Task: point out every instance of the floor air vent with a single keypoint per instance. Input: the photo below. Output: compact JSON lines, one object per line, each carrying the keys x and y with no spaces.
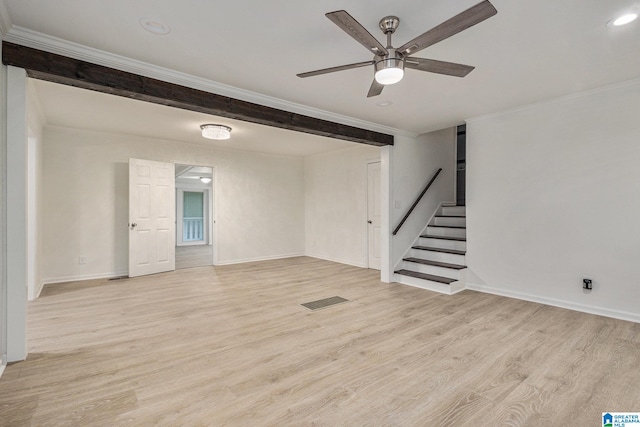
{"x":322,"y":303}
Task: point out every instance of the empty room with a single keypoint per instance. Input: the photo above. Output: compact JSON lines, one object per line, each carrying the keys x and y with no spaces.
{"x":343,"y":213}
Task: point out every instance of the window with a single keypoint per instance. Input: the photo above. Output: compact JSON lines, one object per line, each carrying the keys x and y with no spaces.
{"x":192,"y":217}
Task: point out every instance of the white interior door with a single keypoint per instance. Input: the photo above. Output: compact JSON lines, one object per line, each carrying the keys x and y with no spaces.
{"x":374,"y":214}
{"x":152,"y":234}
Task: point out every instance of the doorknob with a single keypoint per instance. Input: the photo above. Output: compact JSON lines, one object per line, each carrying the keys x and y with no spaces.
{"x":133,"y":225}
{"x":369,"y":221}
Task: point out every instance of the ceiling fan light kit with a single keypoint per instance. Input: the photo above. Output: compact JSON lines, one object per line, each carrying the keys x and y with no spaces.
{"x":389,"y":69}
{"x":389,"y":62}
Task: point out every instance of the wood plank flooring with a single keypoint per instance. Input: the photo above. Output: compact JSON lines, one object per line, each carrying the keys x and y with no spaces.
{"x":193,"y":256}
{"x":232,"y":346}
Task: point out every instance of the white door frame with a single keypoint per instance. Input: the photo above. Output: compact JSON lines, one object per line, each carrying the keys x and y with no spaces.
{"x":386,"y":190}
{"x":374,"y":223}
{"x":213,"y":232}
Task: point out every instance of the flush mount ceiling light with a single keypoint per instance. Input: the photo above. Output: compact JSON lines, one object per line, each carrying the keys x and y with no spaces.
{"x":216,"y":131}
{"x":155,"y":26}
{"x":205,"y":180}
{"x":621,"y":20}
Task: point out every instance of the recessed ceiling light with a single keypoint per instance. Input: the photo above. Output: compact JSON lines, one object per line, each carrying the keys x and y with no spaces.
{"x":384,"y":103}
{"x":623,"y":19}
{"x":155,"y":26}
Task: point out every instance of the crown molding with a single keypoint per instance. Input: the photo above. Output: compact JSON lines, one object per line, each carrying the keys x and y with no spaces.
{"x":36,"y":40}
{"x":57,"y":68}
{"x":631,"y":84}
{"x":6,"y":21}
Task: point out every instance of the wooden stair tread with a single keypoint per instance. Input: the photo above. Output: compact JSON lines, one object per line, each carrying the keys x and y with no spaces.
{"x":435,"y":263}
{"x":446,"y":251}
{"x":433,"y":278}
{"x":447,"y":226}
{"x":458,"y":239}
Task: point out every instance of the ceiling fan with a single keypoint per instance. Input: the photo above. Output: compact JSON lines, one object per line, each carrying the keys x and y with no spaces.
{"x":389,"y":62}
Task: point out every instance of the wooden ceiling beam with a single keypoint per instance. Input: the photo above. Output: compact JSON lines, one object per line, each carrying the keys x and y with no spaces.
{"x":74,"y":72}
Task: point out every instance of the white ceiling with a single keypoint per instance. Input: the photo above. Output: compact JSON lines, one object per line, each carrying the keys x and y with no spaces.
{"x":191,"y":175}
{"x":530,"y":51}
{"x":84,"y":109}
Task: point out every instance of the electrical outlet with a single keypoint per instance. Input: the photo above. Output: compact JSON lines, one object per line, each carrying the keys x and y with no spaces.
{"x":82,"y":260}
{"x":587,"y":284}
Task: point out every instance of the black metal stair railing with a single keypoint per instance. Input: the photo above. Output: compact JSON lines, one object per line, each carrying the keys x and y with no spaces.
{"x":426,"y":188}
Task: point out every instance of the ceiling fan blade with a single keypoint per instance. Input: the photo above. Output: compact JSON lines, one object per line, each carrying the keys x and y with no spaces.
{"x":352,"y":27}
{"x":334,"y":69}
{"x":458,"y":23}
{"x":440,"y":67}
{"x":375,"y":89}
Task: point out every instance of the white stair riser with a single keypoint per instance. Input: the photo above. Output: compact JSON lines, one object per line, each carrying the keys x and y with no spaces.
{"x":429,"y":285}
{"x":450,"y":221}
{"x":447,"y":232}
{"x":437,"y":256}
{"x":454,"y":210}
{"x":441,"y":243}
{"x":432,"y":269}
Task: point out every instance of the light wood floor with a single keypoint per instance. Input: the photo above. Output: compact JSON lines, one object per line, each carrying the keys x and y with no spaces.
{"x":193,"y":256}
{"x":232,"y":346}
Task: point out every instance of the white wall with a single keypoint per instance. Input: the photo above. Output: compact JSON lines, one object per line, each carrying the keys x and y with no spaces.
{"x":552,"y":197}
{"x":414,"y":161}
{"x":35,"y":123}
{"x":259,"y":201}
{"x":336,"y":204}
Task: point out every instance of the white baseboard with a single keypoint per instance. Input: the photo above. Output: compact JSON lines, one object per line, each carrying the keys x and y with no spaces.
{"x":38,"y":290}
{"x":2,"y":369}
{"x":339,"y":261}
{"x":615,"y":314}
{"x":79,"y":277}
{"x":268,"y":258}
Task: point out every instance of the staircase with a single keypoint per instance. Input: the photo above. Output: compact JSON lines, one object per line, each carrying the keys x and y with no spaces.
{"x":437,"y":261}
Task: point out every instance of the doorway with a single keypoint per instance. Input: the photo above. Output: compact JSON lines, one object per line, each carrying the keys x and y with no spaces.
{"x":461,"y":165}
{"x":194,"y":216}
